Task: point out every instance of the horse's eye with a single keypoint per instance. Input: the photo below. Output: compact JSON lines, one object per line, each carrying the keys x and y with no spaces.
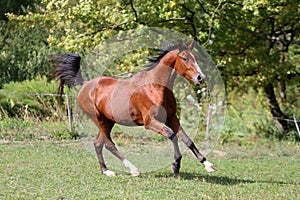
{"x":184,"y":59}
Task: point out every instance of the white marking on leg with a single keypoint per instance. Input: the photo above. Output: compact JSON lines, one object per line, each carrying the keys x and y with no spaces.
{"x":209,"y":166}
{"x":133,"y":170}
{"x":109,"y":173}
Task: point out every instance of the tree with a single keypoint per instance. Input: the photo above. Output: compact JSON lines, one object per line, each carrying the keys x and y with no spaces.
{"x":252,"y":40}
{"x":14,"y":6}
{"x":23,"y":51}
{"x":260,"y":37}
{"x":255,"y":43}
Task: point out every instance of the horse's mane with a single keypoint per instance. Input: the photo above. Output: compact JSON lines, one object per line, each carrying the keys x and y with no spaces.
{"x":167,"y":47}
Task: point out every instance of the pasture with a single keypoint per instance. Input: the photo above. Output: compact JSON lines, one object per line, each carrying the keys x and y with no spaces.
{"x":49,"y":169}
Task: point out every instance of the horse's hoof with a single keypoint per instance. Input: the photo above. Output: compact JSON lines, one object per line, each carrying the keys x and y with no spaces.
{"x":135,"y":173}
{"x":175,"y":168}
{"x":109,"y":173}
{"x":210,"y":168}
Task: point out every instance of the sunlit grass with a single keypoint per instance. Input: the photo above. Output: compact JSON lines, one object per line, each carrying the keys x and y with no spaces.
{"x":66,"y":170}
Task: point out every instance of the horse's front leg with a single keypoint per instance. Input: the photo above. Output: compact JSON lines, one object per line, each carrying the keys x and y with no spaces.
{"x":158,"y":127}
{"x":175,"y":126}
{"x":190,"y":144}
{"x":177,"y":156}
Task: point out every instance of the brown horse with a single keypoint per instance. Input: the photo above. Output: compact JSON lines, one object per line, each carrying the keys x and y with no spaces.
{"x":146,"y":99}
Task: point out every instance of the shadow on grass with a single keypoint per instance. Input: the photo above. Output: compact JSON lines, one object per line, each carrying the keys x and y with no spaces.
{"x":221,"y":180}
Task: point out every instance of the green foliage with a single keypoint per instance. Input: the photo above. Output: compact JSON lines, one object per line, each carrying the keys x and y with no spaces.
{"x":15,"y":6}
{"x":12,"y":129}
{"x":260,"y":36}
{"x":75,"y":25}
{"x":248,"y":117}
{"x":254,"y":43}
{"x":23,"y":100}
{"x":24,"y":53}
{"x":27,"y":111}
{"x":63,"y":134}
{"x":19,"y":129}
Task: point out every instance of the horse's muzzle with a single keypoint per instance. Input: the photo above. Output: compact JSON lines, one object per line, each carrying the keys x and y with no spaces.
{"x":198,"y":79}
{"x":201,"y":79}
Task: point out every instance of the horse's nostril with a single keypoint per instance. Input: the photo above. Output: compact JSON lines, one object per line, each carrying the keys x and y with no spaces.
{"x":200,"y":79}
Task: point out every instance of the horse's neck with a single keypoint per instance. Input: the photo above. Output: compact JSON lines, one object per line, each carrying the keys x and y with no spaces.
{"x":163,"y":75}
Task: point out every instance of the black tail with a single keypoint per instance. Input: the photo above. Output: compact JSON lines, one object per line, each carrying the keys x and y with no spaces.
{"x":67,"y":70}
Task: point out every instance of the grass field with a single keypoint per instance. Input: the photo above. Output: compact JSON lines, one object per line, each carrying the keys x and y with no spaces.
{"x":65,"y":170}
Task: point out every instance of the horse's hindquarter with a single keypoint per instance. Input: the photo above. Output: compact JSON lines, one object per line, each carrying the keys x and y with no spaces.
{"x":86,"y":97}
{"x":104,"y":90}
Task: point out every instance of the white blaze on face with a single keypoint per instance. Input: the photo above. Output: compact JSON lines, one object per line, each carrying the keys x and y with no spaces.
{"x":197,"y":67}
{"x":195,"y":78}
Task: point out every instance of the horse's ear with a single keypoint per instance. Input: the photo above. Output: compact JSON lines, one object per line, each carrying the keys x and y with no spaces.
{"x":181,"y":46}
{"x":191,"y":46}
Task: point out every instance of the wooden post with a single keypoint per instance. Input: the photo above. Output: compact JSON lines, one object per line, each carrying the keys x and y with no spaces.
{"x":208,"y":122}
{"x":296,"y":124}
{"x":69,"y":112}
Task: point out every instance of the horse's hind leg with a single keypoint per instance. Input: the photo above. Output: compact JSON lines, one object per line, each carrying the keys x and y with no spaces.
{"x":98,"y":144}
{"x":113,"y":149}
{"x":104,"y":137}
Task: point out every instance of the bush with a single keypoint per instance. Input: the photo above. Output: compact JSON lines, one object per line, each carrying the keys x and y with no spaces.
{"x":248,"y":116}
{"x":25,"y":114}
{"x":24,"y":99}
{"x":16,"y":129}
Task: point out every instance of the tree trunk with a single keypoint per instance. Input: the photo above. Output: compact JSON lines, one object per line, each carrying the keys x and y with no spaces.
{"x":282,"y":90}
{"x":275,"y":108}
{"x":283,"y":51}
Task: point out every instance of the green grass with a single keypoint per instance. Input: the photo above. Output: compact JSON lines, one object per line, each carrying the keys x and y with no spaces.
{"x":14,"y":129}
{"x":66,"y":170}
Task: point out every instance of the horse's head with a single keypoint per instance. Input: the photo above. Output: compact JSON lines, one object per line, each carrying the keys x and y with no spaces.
{"x":187,"y":66}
